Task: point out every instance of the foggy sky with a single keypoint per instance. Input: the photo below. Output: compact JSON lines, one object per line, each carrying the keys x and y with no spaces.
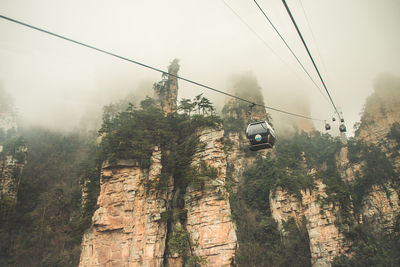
{"x":56,"y":83}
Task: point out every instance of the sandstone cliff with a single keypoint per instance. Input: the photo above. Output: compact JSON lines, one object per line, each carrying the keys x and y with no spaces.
{"x":209,"y":220}
{"x":381,"y":110}
{"x":126,"y":229}
{"x":166,"y":91}
{"x":129,"y":227}
{"x":326,"y":238}
{"x":12,"y":151}
{"x":11,"y":166}
{"x":381,"y":113}
{"x":137,"y":224}
{"x":378,"y":197}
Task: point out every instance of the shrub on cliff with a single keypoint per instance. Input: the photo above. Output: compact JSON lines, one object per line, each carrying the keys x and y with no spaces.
{"x":394,"y":133}
{"x":289,"y":167}
{"x":42,"y":230}
{"x":133,"y":133}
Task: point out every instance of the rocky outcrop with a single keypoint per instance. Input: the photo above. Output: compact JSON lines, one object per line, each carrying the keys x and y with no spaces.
{"x":237,"y":160}
{"x":381,"y":207}
{"x":11,"y":166}
{"x":209,"y":220}
{"x":349,"y":171}
{"x":13,"y":151}
{"x":166,"y":91}
{"x":285,"y":206}
{"x":381,"y":110}
{"x":326,"y":239}
{"x":127,"y":230}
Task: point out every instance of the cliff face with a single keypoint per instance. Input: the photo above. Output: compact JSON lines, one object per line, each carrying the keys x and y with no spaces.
{"x":137,"y":225}
{"x":129,"y":229}
{"x":166,"y":91}
{"x":381,"y":207}
{"x":326,"y":239}
{"x":209,"y":221}
{"x":12,"y":151}
{"x":126,"y":230}
{"x":11,"y":166}
{"x":348,"y":170}
{"x":381,"y":110}
{"x":379,"y":204}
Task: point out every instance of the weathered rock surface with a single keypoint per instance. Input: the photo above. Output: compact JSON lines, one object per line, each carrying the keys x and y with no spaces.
{"x":10,"y":174}
{"x":326,"y":239}
{"x":382,"y":109}
{"x":209,"y":221}
{"x":237,"y":160}
{"x":349,"y":171}
{"x":126,"y":229}
{"x":11,"y":162}
{"x":381,"y":207}
{"x":166,"y":91}
{"x":285,"y":206}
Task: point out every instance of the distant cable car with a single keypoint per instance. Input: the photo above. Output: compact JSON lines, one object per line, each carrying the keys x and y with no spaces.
{"x":327,"y":126}
{"x":342,"y":128}
{"x":333,"y":119}
{"x":341,"y":117}
{"x":260,"y":135}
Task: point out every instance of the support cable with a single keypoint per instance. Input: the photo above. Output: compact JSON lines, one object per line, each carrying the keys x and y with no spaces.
{"x":260,"y":38}
{"x":313,"y":36}
{"x":312,"y":60}
{"x":156,"y":69}
{"x":290,"y":49}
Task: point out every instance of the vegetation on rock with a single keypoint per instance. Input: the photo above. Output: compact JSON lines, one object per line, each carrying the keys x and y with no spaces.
{"x":47,"y":224}
{"x":296,"y":163}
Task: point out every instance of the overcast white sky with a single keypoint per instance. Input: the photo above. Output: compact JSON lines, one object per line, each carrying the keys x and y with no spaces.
{"x":55,"y":82}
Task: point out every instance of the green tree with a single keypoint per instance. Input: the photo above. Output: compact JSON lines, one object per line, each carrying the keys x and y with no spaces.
{"x":196,"y":101}
{"x":205,"y":105}
{"x":187,"y":106}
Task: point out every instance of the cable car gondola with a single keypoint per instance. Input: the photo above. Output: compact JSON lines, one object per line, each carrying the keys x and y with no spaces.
{"x":260,"y":135}
{"x":342,"y":128}
{"x":327,"y":126}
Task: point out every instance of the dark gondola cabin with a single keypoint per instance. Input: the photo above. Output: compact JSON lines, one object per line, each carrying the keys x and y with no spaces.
{"x":327,"y":126}
{"x":260,"y":135}
{"x":342,"y":128}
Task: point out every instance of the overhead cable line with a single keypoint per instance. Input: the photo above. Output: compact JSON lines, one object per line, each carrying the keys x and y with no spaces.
{"x":156,"y":69}
{"x":258,"y":36}
{"x":313,"y":36}
{"x":250,"y":28}
{"x":290,"y":49}
{"x":312,"y":60}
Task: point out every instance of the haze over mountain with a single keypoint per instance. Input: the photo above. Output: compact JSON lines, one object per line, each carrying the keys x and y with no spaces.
{"x":58,"y":84}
